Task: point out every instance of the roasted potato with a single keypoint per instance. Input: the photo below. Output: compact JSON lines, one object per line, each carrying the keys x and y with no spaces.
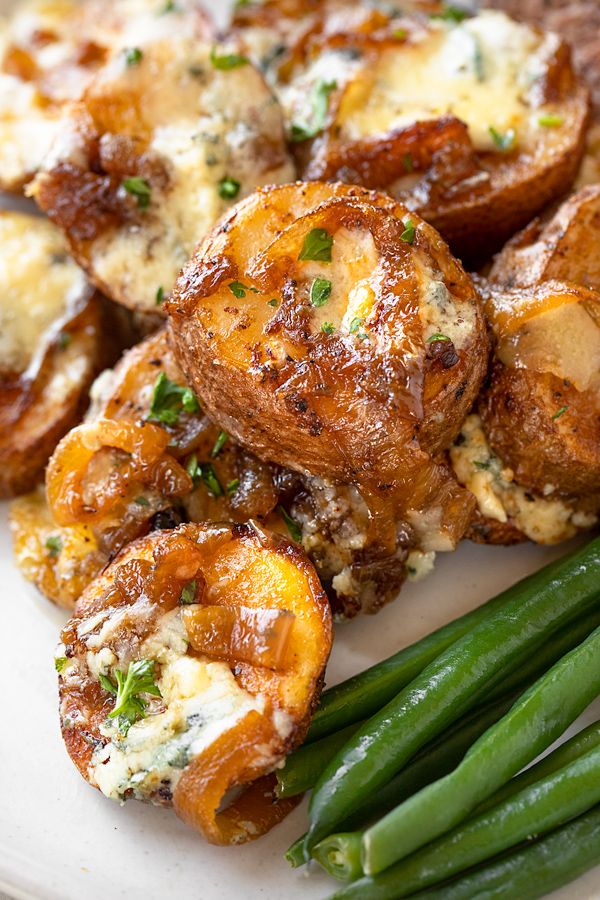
{"x":151,"y":157}
{"x":191,"y":666}
{"x":338,"y":338}
{"x":50,"y":51}
{"x":50,"y":346}
{"x":476,"y":124}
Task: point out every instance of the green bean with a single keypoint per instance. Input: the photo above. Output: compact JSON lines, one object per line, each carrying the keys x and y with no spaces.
{"x":364,"y":694}
{"x":533,"y":871}
{"x":303,"y":767}
{"x":536,"y":808}
{"x":450,"y":686}
{"x":540,"y":716}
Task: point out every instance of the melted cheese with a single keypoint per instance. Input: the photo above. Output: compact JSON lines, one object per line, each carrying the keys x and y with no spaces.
{"x":40,"y":285}
{"x":204,"y":124}
{"x":541,"y":519}
{"x":480,"y":70}
{"x":200,"y":701}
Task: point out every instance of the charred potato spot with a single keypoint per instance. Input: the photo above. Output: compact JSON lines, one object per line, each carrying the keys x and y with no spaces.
{"x":137,"y":172}
{"x":50,"y":52}
{"x":361,"y":401}
{"x":187,"y":725}
{"x":50,"y":346}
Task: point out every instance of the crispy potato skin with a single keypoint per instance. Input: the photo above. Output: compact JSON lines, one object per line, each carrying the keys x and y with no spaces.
{"x":28,"y":438}
{"x":477,"y":199}
{"x":286,"y":423}
{"x":233,"y":566}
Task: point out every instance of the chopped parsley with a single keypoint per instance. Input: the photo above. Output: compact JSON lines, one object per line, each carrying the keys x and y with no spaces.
{"x":408,"y":163}
{"x":229,"y":188}
{"x":193,"y":469}
{"x":60,"y":662}
{"x":320,"y":291}
{"x":138,"y":188}
{"x":451,"y":14}
{"x":240,"y":290}
{"x":220,"y":442}
{"x":129,"y":706}
{"x":399,"y":34}
{"x":274,"y":303}
{"x":560,"y":412}
{"x":438,"y":336}
{"x":317,"y":245}
{"x":64,"y":339}
{"x":355,"y":324}
{"x":133,"y":56}
{"x":504,"y":141}
{"x":226,"y":61}
{"x":550,"y":121}
{"x":169,"y":400}
{"x":160,"y":295}
{"x":327,"y":328}
{"x":408,"y":235}
{"x":292,"y":526}
{"x":233,"y":486}
{"x":188,"y":594}
{"x":141,"y":501}
{"x":210,"y":479}
{"x":54,"y":545}
{"x":304,"y":131}
{"x":482,"y":463}
{"x":169,"y":7}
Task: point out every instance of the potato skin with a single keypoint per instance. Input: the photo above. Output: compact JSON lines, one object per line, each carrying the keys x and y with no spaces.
{"x":290,"y":424}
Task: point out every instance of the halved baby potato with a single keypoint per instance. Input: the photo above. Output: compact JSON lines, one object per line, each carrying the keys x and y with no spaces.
{"x":50,"y":346}
{"x":50,"y":51}
{"x":328,"y":329}
{"x":152,"y":156}
{"x":477,"y":123}
{"x":192,"y":666}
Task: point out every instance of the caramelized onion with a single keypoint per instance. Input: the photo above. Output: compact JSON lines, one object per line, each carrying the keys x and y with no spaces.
{"x":234,"y":633}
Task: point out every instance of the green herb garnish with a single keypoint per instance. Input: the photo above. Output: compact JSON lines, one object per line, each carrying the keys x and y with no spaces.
{"x":188,"y":594}
{"x":292,"y":526}
{"x":193,"y":469}
{"x":451,"y":14}
{"x":133,"y":56}
{"x":438,"y":336}
{"x":320,"y":291}
{"x":504,"y":141}
{"x":560,"y":412}
{"x":355,"y":324}
{"x":408,"y":163}
{"x":54,"y":545}
{"x":317,"y":245}
{"x":169,"y":400}
{"x":142,"y":501}
{"x":482,"y":464}
{"x":274,"y":303}
{"x":160,"y":295}
{"x":399,"y":34}
{"x":550,"y":121}
{"x":327,"y":328}
{"x":64,"y":339}
{"x":60,"y":662}
{"x":229,"y":188}
{"x":129,"y":706}
{"x":240,"y":290}
{"x":227,"y":61}
{"x":220,"y":442}
{"x":169,"y":7}
{"x":210,"y":479}
{"x":408,"y":235}
{"x":233,"y":486}
{"x":140,"y":189}
{"x":304,"y":131}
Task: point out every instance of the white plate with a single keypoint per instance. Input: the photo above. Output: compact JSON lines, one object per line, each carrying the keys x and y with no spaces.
{"x":61,"y":840}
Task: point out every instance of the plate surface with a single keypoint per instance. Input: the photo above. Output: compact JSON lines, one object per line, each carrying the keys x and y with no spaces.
{"x":61,"y":840}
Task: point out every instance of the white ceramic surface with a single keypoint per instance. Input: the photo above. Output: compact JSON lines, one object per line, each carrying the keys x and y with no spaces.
{"x":61,"y":840}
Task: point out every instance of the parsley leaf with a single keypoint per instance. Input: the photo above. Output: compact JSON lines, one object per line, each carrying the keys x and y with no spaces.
{"x":304,"y":131}
{"x":169,"y":400}
{"x":317,"y":245}
{"x":140,"y":189}
{"x":408,"y":235}
{"x":240,"y":290}
{"x":141,"y":501}
{"x":220,"y":442}
{"x":193,"y":469}
{"x":54,"y":545}
{"x":227,"y":61}
{"x":229,"y":188}
{"x":320,"y":291}
{"x":327,"y":328}
{"x":504,"y":142}
{"x":451,"y":14}
{"x":233,"y":486}
{"x":60,"y":662}
{"x":160,"y":295}
{"x":560,"y":412}
{"x":129,"y":706}
{"x":188,"y":594}
{"x":64,"y":339}
{"x":408,"y":162}
{"x":133,"y":56}
{"x":438,"y":336}
{"x":355,"y":324}
{"x":210,"y":479}
{"x":292,"y":526}
{"x":274,"y":303}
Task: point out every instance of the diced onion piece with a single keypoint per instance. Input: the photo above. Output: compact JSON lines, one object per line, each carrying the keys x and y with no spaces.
{"x":256,"y":636}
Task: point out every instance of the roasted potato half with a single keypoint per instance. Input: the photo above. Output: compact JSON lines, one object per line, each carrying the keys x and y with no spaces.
{"x":50,"y":346}
{"x":337,"y":337}
{"x":151,"y":157}
{"x":191,"y":666}
{"x":50,"y":51}
{"x":477,"y":123}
